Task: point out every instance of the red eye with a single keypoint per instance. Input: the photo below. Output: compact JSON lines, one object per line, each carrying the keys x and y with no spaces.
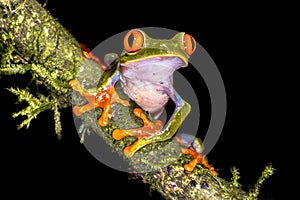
{"x":133,"y":41}
{"x":189,"y":44}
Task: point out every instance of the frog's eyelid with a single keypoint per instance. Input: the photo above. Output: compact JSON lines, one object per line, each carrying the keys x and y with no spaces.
{"x":137,"y":40}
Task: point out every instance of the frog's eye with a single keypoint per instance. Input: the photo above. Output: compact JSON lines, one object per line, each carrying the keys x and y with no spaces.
{"x":189,"y":44}
{"x":133,"y":41}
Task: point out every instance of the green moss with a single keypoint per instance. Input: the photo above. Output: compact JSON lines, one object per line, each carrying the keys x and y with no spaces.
{"x":33,"y":42}
{"x":235,"y":177}
{"x":254,"y":191}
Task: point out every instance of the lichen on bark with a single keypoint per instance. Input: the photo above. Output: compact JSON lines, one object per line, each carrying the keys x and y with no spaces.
{"x":33,"y":43}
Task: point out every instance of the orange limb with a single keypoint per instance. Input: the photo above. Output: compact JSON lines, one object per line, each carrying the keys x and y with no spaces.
{"x":143,"y":133}
{"x":103,"y":100}
{"x":197,"y":158}
{"x":88,"y":54}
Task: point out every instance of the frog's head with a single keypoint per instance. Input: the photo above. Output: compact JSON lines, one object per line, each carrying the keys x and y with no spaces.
{"x":141,"y":49}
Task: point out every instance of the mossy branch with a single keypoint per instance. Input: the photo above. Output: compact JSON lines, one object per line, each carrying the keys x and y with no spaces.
{"x":35,"y":44}
{"x":235,"y":177}
{"x":36,"y":105}
{"x":32,"y":42}
{"x":254,"y":192}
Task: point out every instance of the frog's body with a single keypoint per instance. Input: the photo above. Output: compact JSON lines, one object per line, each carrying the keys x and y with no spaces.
{"x":147,"y":74}
{"x":153,"y":76}
{"x":145,"y":69}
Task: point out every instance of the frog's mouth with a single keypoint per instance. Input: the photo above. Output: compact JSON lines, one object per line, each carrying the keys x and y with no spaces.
{"x":167,"y":61}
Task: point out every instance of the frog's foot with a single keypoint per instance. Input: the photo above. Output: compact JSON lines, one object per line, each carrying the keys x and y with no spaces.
{"x":89,"y":55}
{"x":102,"y":99}
{"x":143,"y":134}
{"x":198,"y":158}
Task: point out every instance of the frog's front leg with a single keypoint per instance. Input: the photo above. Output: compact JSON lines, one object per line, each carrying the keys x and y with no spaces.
{"x":105,"y":96}
{"x":154,"y":131}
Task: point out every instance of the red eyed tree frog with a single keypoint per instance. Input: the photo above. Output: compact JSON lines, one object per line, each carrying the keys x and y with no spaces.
{"x":145,"y":69}
{"x":194,"y":147}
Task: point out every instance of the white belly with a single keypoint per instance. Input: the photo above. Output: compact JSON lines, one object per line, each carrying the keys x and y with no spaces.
{"x":149,"y":96}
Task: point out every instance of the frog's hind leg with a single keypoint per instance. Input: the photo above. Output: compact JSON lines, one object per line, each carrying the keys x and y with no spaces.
{"x":154,"y":132}
{"x":197,"y":158}
{"x":143,"y":133}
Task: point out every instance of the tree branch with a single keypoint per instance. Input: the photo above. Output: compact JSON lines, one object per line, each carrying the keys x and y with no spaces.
{"x":32,"y":42}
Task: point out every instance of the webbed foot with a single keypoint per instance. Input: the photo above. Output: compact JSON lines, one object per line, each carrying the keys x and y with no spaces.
{"x":197,"y":158}
{"x":145,"y":134}
{"x":102,"y":99}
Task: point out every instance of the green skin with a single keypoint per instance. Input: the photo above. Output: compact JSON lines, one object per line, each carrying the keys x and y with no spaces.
{"x":146,"y":76}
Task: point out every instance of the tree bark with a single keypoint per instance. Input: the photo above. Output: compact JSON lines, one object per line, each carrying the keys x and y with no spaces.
{"x":33,"y":43}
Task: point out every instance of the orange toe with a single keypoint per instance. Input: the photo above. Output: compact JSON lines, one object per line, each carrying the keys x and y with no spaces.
{"x":118,"y":134}
{"x":128,"y":152}
{"x":191,"y":165}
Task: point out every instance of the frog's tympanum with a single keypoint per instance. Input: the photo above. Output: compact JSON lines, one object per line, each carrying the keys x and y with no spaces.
{"x":145,"y":70}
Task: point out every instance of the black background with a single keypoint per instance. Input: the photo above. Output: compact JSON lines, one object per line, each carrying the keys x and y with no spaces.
{"x":246,"y":43}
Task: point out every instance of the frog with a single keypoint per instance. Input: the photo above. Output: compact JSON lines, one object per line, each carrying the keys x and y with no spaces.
{"x":192,"y":145}
{"x":145,"y":70}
